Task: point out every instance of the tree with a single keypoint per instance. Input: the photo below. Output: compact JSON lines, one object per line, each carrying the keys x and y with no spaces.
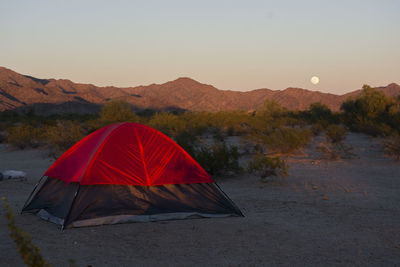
{"x":372,"y":103}
{"x":117,"y":111}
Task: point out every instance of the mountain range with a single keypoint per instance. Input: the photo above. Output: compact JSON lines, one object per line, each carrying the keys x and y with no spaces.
{"x":46,"y":96}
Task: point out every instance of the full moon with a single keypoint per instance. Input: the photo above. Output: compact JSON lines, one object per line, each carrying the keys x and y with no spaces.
{"x":314,"y":80}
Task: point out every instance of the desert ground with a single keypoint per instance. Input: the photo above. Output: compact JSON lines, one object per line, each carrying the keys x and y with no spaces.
{"x":336,"y":213}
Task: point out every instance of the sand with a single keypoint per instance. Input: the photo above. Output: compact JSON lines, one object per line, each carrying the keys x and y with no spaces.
{"x":342,"y":213}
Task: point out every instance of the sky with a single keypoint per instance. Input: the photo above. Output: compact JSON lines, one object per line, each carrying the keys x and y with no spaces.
{"x":233,"y":45}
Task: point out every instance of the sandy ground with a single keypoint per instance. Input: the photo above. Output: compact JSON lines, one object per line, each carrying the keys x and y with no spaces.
{"x":344,"y":213}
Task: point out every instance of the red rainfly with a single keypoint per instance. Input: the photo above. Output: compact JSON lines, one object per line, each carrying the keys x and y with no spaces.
{"x":127,"y":154}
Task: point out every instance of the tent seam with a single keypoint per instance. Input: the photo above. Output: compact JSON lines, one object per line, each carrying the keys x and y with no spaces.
{"x":142,"y":155}
{"x":94,"y":156}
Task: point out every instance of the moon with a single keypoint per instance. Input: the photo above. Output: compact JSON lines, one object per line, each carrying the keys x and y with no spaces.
{"x":314,"y":80}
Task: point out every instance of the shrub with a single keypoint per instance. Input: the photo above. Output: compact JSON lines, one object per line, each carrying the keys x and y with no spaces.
{"x":64,"y":135}
{"x":188,"y":141}
{"x":283,"y":140}
{"x":335,"y":147}
{"x":265,"y":166}
{"x":318,"y":113}
{"x":23,"y":136}
{"x":372,"y":113}
{"x":317,"y":128}
{"x":168,"y":123}
{"x":28,"y":251}
{"x":335,"y":133}
{"x":335,"y":151}
{"x":219,"y":159}
{"x":117,"y":111}
{"x":271,"y":109}
{"x":391,"y":145}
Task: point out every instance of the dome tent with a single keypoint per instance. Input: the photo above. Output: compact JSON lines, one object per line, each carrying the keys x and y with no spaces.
{"x":126,"y":172}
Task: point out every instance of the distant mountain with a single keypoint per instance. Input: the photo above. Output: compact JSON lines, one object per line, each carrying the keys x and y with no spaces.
{"x":46,"y":96}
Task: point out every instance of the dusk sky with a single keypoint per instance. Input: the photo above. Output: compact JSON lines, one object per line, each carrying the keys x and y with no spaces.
{"x":237,"y":45}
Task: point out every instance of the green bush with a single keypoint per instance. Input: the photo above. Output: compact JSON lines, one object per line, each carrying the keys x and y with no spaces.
{"x":219,"y":159}
{"x":28,"y":251}
{"x":372,"y":113}
{"x":319,"y":113}
{"x":23,"y":135}
{"x":265,"y":166}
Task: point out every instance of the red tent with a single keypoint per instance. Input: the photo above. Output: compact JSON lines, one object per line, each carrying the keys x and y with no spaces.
{"x":126,"y":172}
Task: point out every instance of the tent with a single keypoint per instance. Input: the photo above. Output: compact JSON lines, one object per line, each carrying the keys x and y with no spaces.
{"x":126,"y":172}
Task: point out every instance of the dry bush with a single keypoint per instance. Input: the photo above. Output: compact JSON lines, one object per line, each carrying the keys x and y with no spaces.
{"x":168,"y":123}
{"x":23,"y":135}
{"x":335,"y":146}
{"x":335,"y":151}
{"x":391,"y":145}
{"x":64,"y":135}
{"x":113,"y":112}
{"x":265,"y":166}
{"x":335,"y":133}
{"x":28,"y":251}
{"x":283,"y":140}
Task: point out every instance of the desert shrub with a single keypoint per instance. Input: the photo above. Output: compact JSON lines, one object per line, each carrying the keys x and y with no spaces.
{"x":218,"y":159}
{"x":28,"y":251}
{"x":112,"y":112}
{"x":197,"y":122}
{"x":286,"y":139}
{"x":265,"y":166}
{"x":372,"y":113}
{"x":218,"y":135}
{"x":64,"y":135}
{"x":271,"y":109}
{"x":229,"y":122}
{"x":335,"y":133}
{"x":317,"y":128}
{"x":318,"y":113}
{"x":335,"y":146}
{"x":168,"y":123}
{"x":23,"y":135}
{"x":188,"y":141}
{"x":391,"y":145}
{"x":117,"y":111}
{"x":335,"y":151}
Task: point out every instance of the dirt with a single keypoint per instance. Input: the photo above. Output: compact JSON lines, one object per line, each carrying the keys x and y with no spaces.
{"x":343,"y":212}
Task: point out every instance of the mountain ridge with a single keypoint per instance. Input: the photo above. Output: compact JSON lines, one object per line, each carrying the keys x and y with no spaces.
{"x":23,"y":91}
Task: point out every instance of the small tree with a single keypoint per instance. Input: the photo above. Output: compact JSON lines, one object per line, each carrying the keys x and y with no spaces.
{"x":319,"y":112}
{"x":117,"y":111}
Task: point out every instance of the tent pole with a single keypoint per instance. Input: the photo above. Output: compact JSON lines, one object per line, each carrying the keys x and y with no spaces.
{"x":30,"y":195}
{"x":230,"y":200}
{"x":70,"y":208}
